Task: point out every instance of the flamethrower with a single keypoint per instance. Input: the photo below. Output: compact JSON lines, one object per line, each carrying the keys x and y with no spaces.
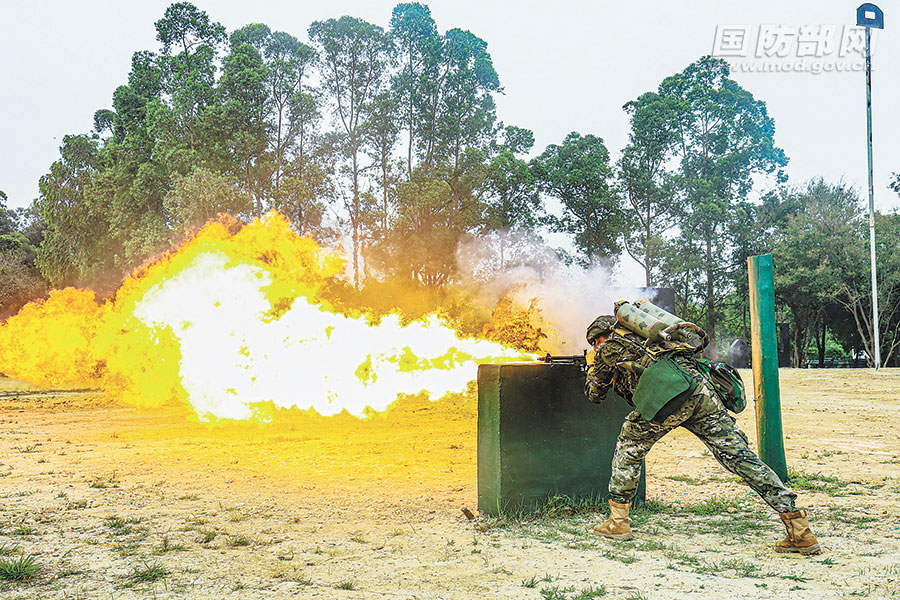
{"x":579,"y":360}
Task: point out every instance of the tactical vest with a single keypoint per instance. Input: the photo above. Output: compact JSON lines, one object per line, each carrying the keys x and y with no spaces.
{"x":652,"y":372}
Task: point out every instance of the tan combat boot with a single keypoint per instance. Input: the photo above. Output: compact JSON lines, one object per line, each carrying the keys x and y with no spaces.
{"x":799,"y":537}
{"x":617,"y":526}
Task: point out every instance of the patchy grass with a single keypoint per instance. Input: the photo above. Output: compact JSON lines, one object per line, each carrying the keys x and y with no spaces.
{"x":817,"y":482}
{"x":19,"y":568}
{"x":738,"y":526}
{"x":590,"y":592}
{"x":715,"y":506}
{"x":21,"y":530}
{"x":648,"y":545}
{"x":238,"y":540}
{"x":556,"y":592}
{"x":619,"y":556}
{"x":570,"y":593}
{"x":839,"y":514}
{"x":147,"y":573}
{"x":166,"y":545}
{"x":828,"y":453}
{"x":117,"y":525}
{"x":292,"y":575}
{"x":67,"y":570}
{"x":741,"y":568}
{"x":206,"y":536}
{"x":346,"y":585}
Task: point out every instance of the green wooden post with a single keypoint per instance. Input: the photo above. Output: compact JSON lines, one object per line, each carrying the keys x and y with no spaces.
{"x":764,"y":347}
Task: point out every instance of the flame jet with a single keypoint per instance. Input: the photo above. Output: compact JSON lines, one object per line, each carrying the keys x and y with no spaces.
{"x":233,"y":321}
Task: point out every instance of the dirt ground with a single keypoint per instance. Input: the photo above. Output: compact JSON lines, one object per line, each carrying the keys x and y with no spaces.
{"x":115,"y":503}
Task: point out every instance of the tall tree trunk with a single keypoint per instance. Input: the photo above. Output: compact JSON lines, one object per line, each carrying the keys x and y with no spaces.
{"x":278,"y":158}
{"x":647,"y":264}
{"x":384,"y":189}
{"x":820,"y":342}
{"x":798,"y":339}
{"x":355,"y":219}
{"x":710,"y":302}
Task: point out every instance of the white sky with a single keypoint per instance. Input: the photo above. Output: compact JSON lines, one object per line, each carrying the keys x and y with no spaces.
{"x":565,"y":66}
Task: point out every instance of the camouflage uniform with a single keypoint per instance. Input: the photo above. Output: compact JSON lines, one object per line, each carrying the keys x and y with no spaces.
{"x":702,"y":414}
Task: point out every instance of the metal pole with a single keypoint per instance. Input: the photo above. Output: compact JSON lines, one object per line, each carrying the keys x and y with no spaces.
{"x":875,"y":341}
{"x":764,"y":347}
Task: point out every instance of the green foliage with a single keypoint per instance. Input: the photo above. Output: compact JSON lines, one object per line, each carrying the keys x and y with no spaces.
{"x":202,"y":195}
{"x":721,"y":138}
{"x":426,"y":230}
{"x":578,"y":174}
{"x":210,"y":122}
{"x":416,"y":82}
{"x":20,"y":280}
{"x":650,"y":189}
{"x":817,"y":246}
{"x":512,"y":195}
{"x":8,"y":218}
{"x":19,"y":568}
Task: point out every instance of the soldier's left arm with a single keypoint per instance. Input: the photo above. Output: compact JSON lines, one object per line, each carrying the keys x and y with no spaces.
{"x":597,"y":384}
{"x":601,"y":375}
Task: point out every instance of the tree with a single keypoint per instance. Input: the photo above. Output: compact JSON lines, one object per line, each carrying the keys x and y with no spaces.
{"x":724,"y":138}
{"x":354,"y":59}
{"x":419,"y":46}
{"x":647,"y":185}
{"x":8,"y":219}
{"x":426,"y":231}
{"x":466,"y":111}
{"x":73,"y":251}
{"x":856,"y":292}
{"x":577,"y":173}
{"x":381,"y":135}
{"x":201,"y":196}
{"x":511,"y":198}
{"x":237,"y":128}
{"x":288,"y":63}
{"x":815,"y":249}
{"x":20,"y":282}
{"x":190,"y":70}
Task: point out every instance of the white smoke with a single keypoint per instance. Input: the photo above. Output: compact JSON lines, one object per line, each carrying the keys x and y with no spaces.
{"x":569,"y":296}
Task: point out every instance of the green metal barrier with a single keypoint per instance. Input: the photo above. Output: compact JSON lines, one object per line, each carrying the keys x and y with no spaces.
{"x":539,"y":437}
{"x":764,"y":346}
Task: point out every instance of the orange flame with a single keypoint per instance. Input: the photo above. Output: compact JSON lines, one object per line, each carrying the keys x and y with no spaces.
{"x":231,"y":322}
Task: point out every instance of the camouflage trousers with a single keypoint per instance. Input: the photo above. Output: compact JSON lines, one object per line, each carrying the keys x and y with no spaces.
{"x":703,"y":415}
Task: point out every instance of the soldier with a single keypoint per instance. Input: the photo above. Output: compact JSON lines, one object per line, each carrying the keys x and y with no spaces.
{"x":701,"y":413}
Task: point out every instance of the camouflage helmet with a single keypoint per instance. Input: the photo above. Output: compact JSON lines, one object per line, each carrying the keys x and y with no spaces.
{"x":602,"y":325}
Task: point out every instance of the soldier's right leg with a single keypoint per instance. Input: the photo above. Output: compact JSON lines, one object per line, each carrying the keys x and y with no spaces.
{"x":635,"y":440}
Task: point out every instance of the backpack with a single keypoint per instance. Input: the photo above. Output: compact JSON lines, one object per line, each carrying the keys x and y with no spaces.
{"x":726,"y":383}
